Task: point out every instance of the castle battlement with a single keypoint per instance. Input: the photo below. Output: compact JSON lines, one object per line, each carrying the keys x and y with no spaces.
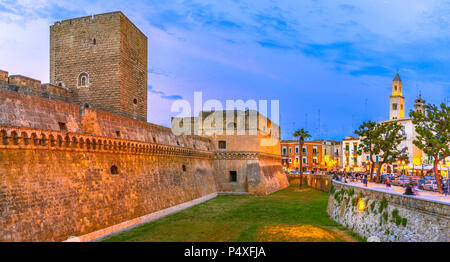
{"x":31,"y":86}
{"x":34,"y":138}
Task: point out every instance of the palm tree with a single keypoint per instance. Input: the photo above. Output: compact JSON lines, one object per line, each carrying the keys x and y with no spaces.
{"x":301,"y":134}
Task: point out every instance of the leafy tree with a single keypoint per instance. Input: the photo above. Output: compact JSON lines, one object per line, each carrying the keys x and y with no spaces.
{"x":433,"y":134}
{"x":369,"y":134}
{"x":301,"y":134}
{"x":386,"y":146}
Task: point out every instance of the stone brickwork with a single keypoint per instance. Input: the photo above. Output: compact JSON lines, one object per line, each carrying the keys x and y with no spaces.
{"x":3,"y":76}
{"x":18,"y":109}
{"x":257,"y":173}
{"x":247,"y":149}
{"x":389,"y":216}
{"x":58,"y":184}
{"x":111,"y":52}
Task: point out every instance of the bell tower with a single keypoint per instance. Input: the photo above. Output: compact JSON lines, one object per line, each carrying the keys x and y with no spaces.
{"x":419,"y":104}
{"x":397,"y":101}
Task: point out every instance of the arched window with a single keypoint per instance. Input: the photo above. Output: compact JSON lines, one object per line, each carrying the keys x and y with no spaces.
{"x":83,"y":80}
{"x":135,"y":101}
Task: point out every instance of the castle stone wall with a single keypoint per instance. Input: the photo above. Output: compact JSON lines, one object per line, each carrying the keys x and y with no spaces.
{"x":18,"y":109}
{"x":57,"y":184}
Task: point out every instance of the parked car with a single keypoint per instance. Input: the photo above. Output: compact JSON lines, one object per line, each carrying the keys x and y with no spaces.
{"x":432,"y":186}
{"x":423,"y":182}
{"x":430,"y":178}
{"x":397,"y":182}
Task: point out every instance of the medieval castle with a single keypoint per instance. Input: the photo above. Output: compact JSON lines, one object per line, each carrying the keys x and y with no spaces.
{"x":78,"y":159}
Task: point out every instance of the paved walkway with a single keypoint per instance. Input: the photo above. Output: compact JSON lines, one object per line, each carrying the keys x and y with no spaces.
{"x":400,"y":190}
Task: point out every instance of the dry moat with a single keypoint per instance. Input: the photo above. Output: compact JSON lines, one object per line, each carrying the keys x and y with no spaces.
{"x":287,"y":215}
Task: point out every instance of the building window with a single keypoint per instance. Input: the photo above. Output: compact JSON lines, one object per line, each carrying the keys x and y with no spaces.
{"x":284,"y":151}
{"x":315,"y":160}
{"x":83,"y":80}
{"x":296,"y":149}
{"x":355,"y":161}
{"x":395,"y":88}
{"x":355,"y":147}
{"x":376,"y":159}
{"x":290,"y":150}
{"x":114,"y":170}
{"x":347,"y":147}
{"x":233,"y":176}
{"x":314,"y":150}
{"x":135,"y":101}
{"x":118,"y":133}
{"x":304,"y":150}
{"x":183,"y":167}
{"x":290,"y":160}
{"x":296,"y":159}
{"x":222,"y":144}
{"x":94,"y":42}
{"x":394,"y":106}
{"x":304,"y":160}
{"x":62,"y":126}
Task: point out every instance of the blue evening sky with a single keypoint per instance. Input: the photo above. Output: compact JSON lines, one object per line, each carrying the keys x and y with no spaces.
{"x":329,"y":63}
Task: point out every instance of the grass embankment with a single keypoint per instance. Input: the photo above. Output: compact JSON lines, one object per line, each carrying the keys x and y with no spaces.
{"x":287,"y":215}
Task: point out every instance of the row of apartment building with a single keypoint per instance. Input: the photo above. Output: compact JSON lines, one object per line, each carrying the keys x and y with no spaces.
{"x":317,"y":155}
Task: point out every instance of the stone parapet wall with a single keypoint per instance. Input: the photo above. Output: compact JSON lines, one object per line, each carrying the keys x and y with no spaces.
{"x":389,"y":216}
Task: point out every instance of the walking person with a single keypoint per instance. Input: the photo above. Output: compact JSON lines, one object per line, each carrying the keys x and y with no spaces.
{"x":365,"y":180}
{"x":388,"y":185}
{"x":445,"y":187}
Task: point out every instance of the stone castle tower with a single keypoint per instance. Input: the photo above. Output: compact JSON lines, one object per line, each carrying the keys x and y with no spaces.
{"x":397,"y":101}
{"x":102,"y":61}
{"x":419,"y":104}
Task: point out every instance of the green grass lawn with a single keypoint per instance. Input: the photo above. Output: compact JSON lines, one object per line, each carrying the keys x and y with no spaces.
{"x":287,"y":215}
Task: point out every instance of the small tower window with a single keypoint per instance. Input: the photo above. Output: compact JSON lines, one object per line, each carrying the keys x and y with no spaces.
{"x":114,"y":170}
{"x":83,"y":80}
{"x":233,"y":176}
{"x":135,"y":101}
{"x":222,"y":144}
{"x":94,"y":41}
{"x":62,"y":126}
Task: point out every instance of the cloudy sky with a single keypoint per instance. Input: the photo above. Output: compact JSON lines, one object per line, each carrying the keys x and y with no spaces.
{"x":329,"y":63}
